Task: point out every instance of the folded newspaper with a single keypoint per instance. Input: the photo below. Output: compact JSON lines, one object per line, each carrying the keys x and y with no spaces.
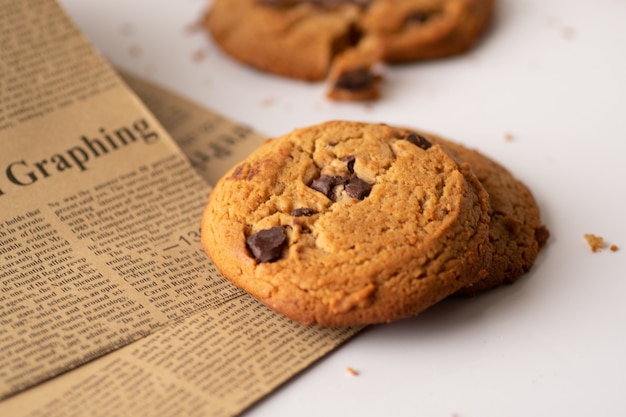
{"x":108,"y":304}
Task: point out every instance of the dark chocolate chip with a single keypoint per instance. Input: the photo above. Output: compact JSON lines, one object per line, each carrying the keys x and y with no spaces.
{"x":324,"y":4}
{"x":418,"y":140}
{"x":278,"y":4}
{"x":349,"y":160}
{"x":357,"y":188}
{"x":324,"y":185}
{"x":299,"y":212}
{"x":331,"y":4}
{"x":341,"y":180}
{"x":237,"y":174}
{"x":418,"y":17}
{"x":267,"y":245}
{"x":355,"y":80}
{"x":360,"y":3}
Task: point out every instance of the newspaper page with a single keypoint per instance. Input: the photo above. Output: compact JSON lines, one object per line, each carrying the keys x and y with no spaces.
{"x":212,"y":143}
{"x":103,"y":282}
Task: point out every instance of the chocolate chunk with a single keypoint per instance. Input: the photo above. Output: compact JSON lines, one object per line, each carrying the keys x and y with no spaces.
{"x":267,"y":245}
{"x":324,"y":185}
{"x":354,"y":80}
{"x":418,"y":140}
{"x":357,"y":188}
{"x":349,"y":160}
{"x":324,"y":4}
{"x":278,"y":4}
{"x":299,"y":212}
{"x":418,"y":17}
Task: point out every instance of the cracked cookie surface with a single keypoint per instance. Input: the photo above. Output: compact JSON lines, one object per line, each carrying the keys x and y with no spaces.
{"x":347,"y":223}
{"x":516,"y":231}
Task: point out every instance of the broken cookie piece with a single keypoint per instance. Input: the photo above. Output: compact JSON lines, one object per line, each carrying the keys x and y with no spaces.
{"x":353,"y":76}
{"x":357,"y":84}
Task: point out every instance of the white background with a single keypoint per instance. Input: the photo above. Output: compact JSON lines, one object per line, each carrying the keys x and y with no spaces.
{"x":551,"y":73}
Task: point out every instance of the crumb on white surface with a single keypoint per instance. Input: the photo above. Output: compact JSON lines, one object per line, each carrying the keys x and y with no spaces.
{"x":596,"y":243}
{"x":127,"y":29}
{"x":270,"y":101}
{"x":135,"y":51}
{"x":193,"y":27}
{"x":351,"y":371}
{"x":569,"y":33}
{"x":199,"y":55}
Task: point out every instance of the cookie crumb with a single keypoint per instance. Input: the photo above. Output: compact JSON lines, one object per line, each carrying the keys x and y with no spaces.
{"x":508,"y":137}
{"x":552,"y":21}
{"x":150,"y":70}
{"x":352,"y":371}
{"x":569,"y":33}
{"x":127,"y":29}
{"x":193,"y":27}
{"x":198,"y":55}
{"x":596,"y":243}
{"x":134,"y":51}
{"x":268,"y":102}
{"x":614,"y":248}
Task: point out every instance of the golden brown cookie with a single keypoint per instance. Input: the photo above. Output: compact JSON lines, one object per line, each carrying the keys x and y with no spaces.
{"x":516,"y":231}
{"x":289,"y":38}
{"x":303,"y":38}
{"x":348,"y":223}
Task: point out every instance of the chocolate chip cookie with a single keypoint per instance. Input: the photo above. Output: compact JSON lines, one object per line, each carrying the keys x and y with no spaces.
{"x":297,"y":39}
{"x":348,"y":223}
{"x":516,"y":230}
{"x":303,"y":38}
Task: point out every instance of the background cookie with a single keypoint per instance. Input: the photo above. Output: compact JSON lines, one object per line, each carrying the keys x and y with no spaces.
{"x":516,"y":231}
{"x":303,"y":38}
{"x":289,"y":38}
{"x":334,"y":224}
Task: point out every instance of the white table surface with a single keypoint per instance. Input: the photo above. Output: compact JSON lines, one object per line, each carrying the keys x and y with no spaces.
{"x":551,"y":73}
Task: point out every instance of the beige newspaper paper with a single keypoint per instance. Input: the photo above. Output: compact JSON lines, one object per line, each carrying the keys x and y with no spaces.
{"x":212,"y":143}
{"x":108,"y":304}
